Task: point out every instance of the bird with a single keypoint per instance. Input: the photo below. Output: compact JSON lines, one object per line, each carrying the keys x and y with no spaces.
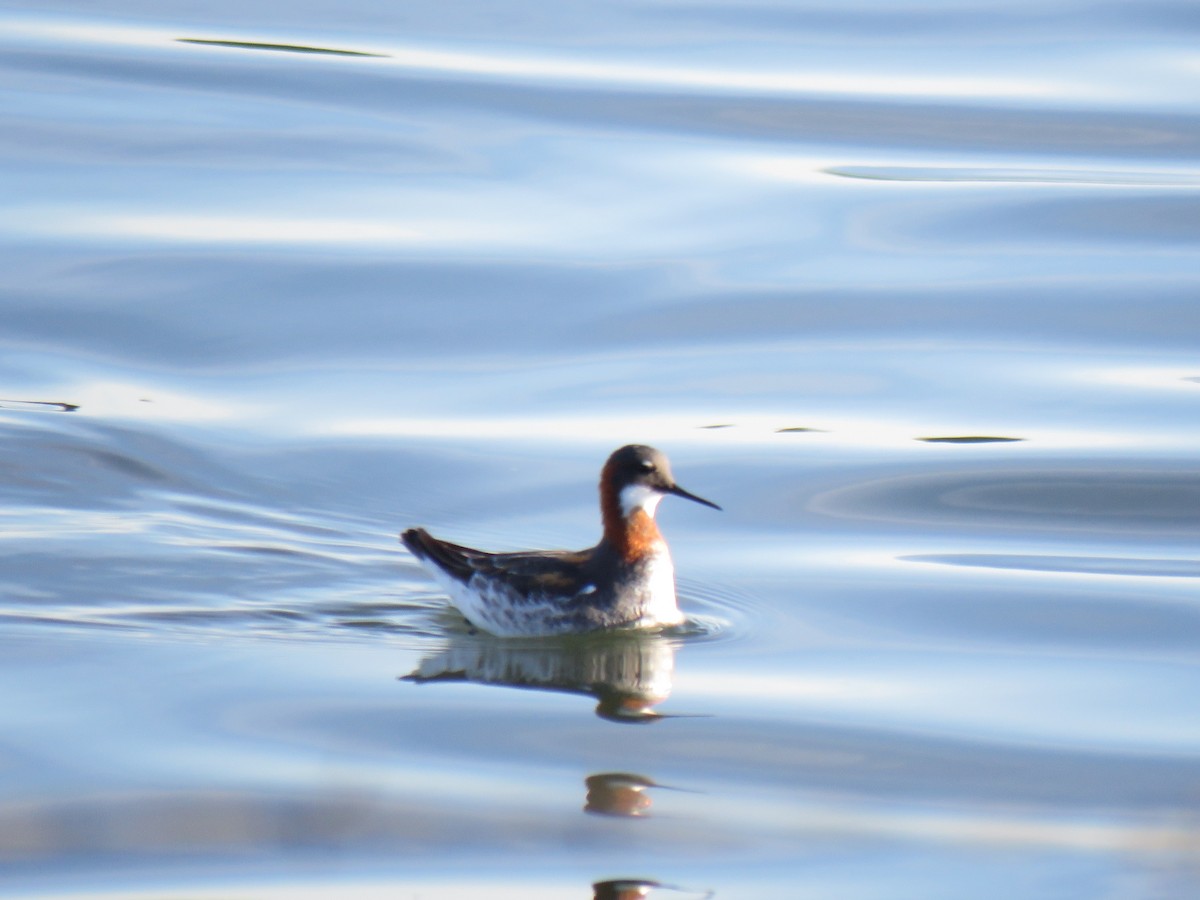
{"x":626,"y":581}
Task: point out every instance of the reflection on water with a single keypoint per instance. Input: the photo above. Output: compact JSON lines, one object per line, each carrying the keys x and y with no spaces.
{"x":623,"y":889}
{"x":627,"y":673}
{"x":38,"y":406}
{"x":1152,"y":498}
{"x":1093,"y":565}
{"x":1045,"y":176}
{"x":286,"y":48}
{"x":635,"y":889}
{"x":618,"y":794}
{"x":970,"y":439}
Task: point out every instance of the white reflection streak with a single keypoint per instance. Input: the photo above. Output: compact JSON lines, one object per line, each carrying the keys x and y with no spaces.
{"x":53,"y":523}
{"x":531,"y":67}
{"x":113,"y":399}
{"x":1156,"y":378}
{"x":556,"y":428}
{"x":238,"y":229}
{"x":874,"y":176}
{"x":693,"y":427}
{"x":660,"y":77}
{"x":992,"y":827}
{"x":432,"y":888}
{"x":838,"y":691}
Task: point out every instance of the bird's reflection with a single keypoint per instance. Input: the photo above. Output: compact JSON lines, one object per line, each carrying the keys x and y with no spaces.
{"x":623,"y":889}
{"x":628,"y":674}
{"x":618,"y":794}
{"x":635,"y":889}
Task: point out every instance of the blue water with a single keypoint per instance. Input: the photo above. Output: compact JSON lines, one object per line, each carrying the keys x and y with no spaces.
{"x":910,"y":292}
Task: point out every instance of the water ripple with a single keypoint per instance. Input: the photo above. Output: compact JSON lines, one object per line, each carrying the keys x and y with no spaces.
{"x":285,"y":48}
{"x":1151,"y":500}
{"x":1016,"y":176}
{"x":1082,"y":565}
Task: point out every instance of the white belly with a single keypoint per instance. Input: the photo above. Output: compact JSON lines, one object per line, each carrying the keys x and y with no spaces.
{"x":659,"y":606}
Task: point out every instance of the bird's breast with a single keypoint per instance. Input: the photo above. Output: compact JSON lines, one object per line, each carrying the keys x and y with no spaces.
{"x":640,"y":538}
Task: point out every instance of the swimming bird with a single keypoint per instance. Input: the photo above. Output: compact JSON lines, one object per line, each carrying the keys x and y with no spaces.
{"x":625,"y":581}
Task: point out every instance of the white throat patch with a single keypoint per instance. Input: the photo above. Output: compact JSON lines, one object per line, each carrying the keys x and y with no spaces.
{"x":638,"y":496}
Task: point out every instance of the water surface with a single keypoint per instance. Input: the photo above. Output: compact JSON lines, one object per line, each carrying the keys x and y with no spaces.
{"x":910,"y":293}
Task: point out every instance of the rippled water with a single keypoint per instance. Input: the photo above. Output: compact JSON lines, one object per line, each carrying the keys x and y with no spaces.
{"x":910,"y":292}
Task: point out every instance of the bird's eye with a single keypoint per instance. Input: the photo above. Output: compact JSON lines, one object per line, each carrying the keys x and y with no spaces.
{"x":646,"y":465}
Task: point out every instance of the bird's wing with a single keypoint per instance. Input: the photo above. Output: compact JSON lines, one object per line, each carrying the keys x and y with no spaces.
{"x":561,"y":573}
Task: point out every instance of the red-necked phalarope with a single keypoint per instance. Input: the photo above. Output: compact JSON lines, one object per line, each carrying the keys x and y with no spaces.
{"x":625,"y":581}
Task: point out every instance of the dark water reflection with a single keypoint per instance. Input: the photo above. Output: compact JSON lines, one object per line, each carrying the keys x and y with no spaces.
{"x":636,"y":888}
{"x":1154,"y":500}
{"x":618,"y":794}
{"x":285,"y":48}
{"x":628,"y":675}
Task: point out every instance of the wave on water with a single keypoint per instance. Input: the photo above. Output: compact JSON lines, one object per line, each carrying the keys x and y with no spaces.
{"x":1076,"y":565}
